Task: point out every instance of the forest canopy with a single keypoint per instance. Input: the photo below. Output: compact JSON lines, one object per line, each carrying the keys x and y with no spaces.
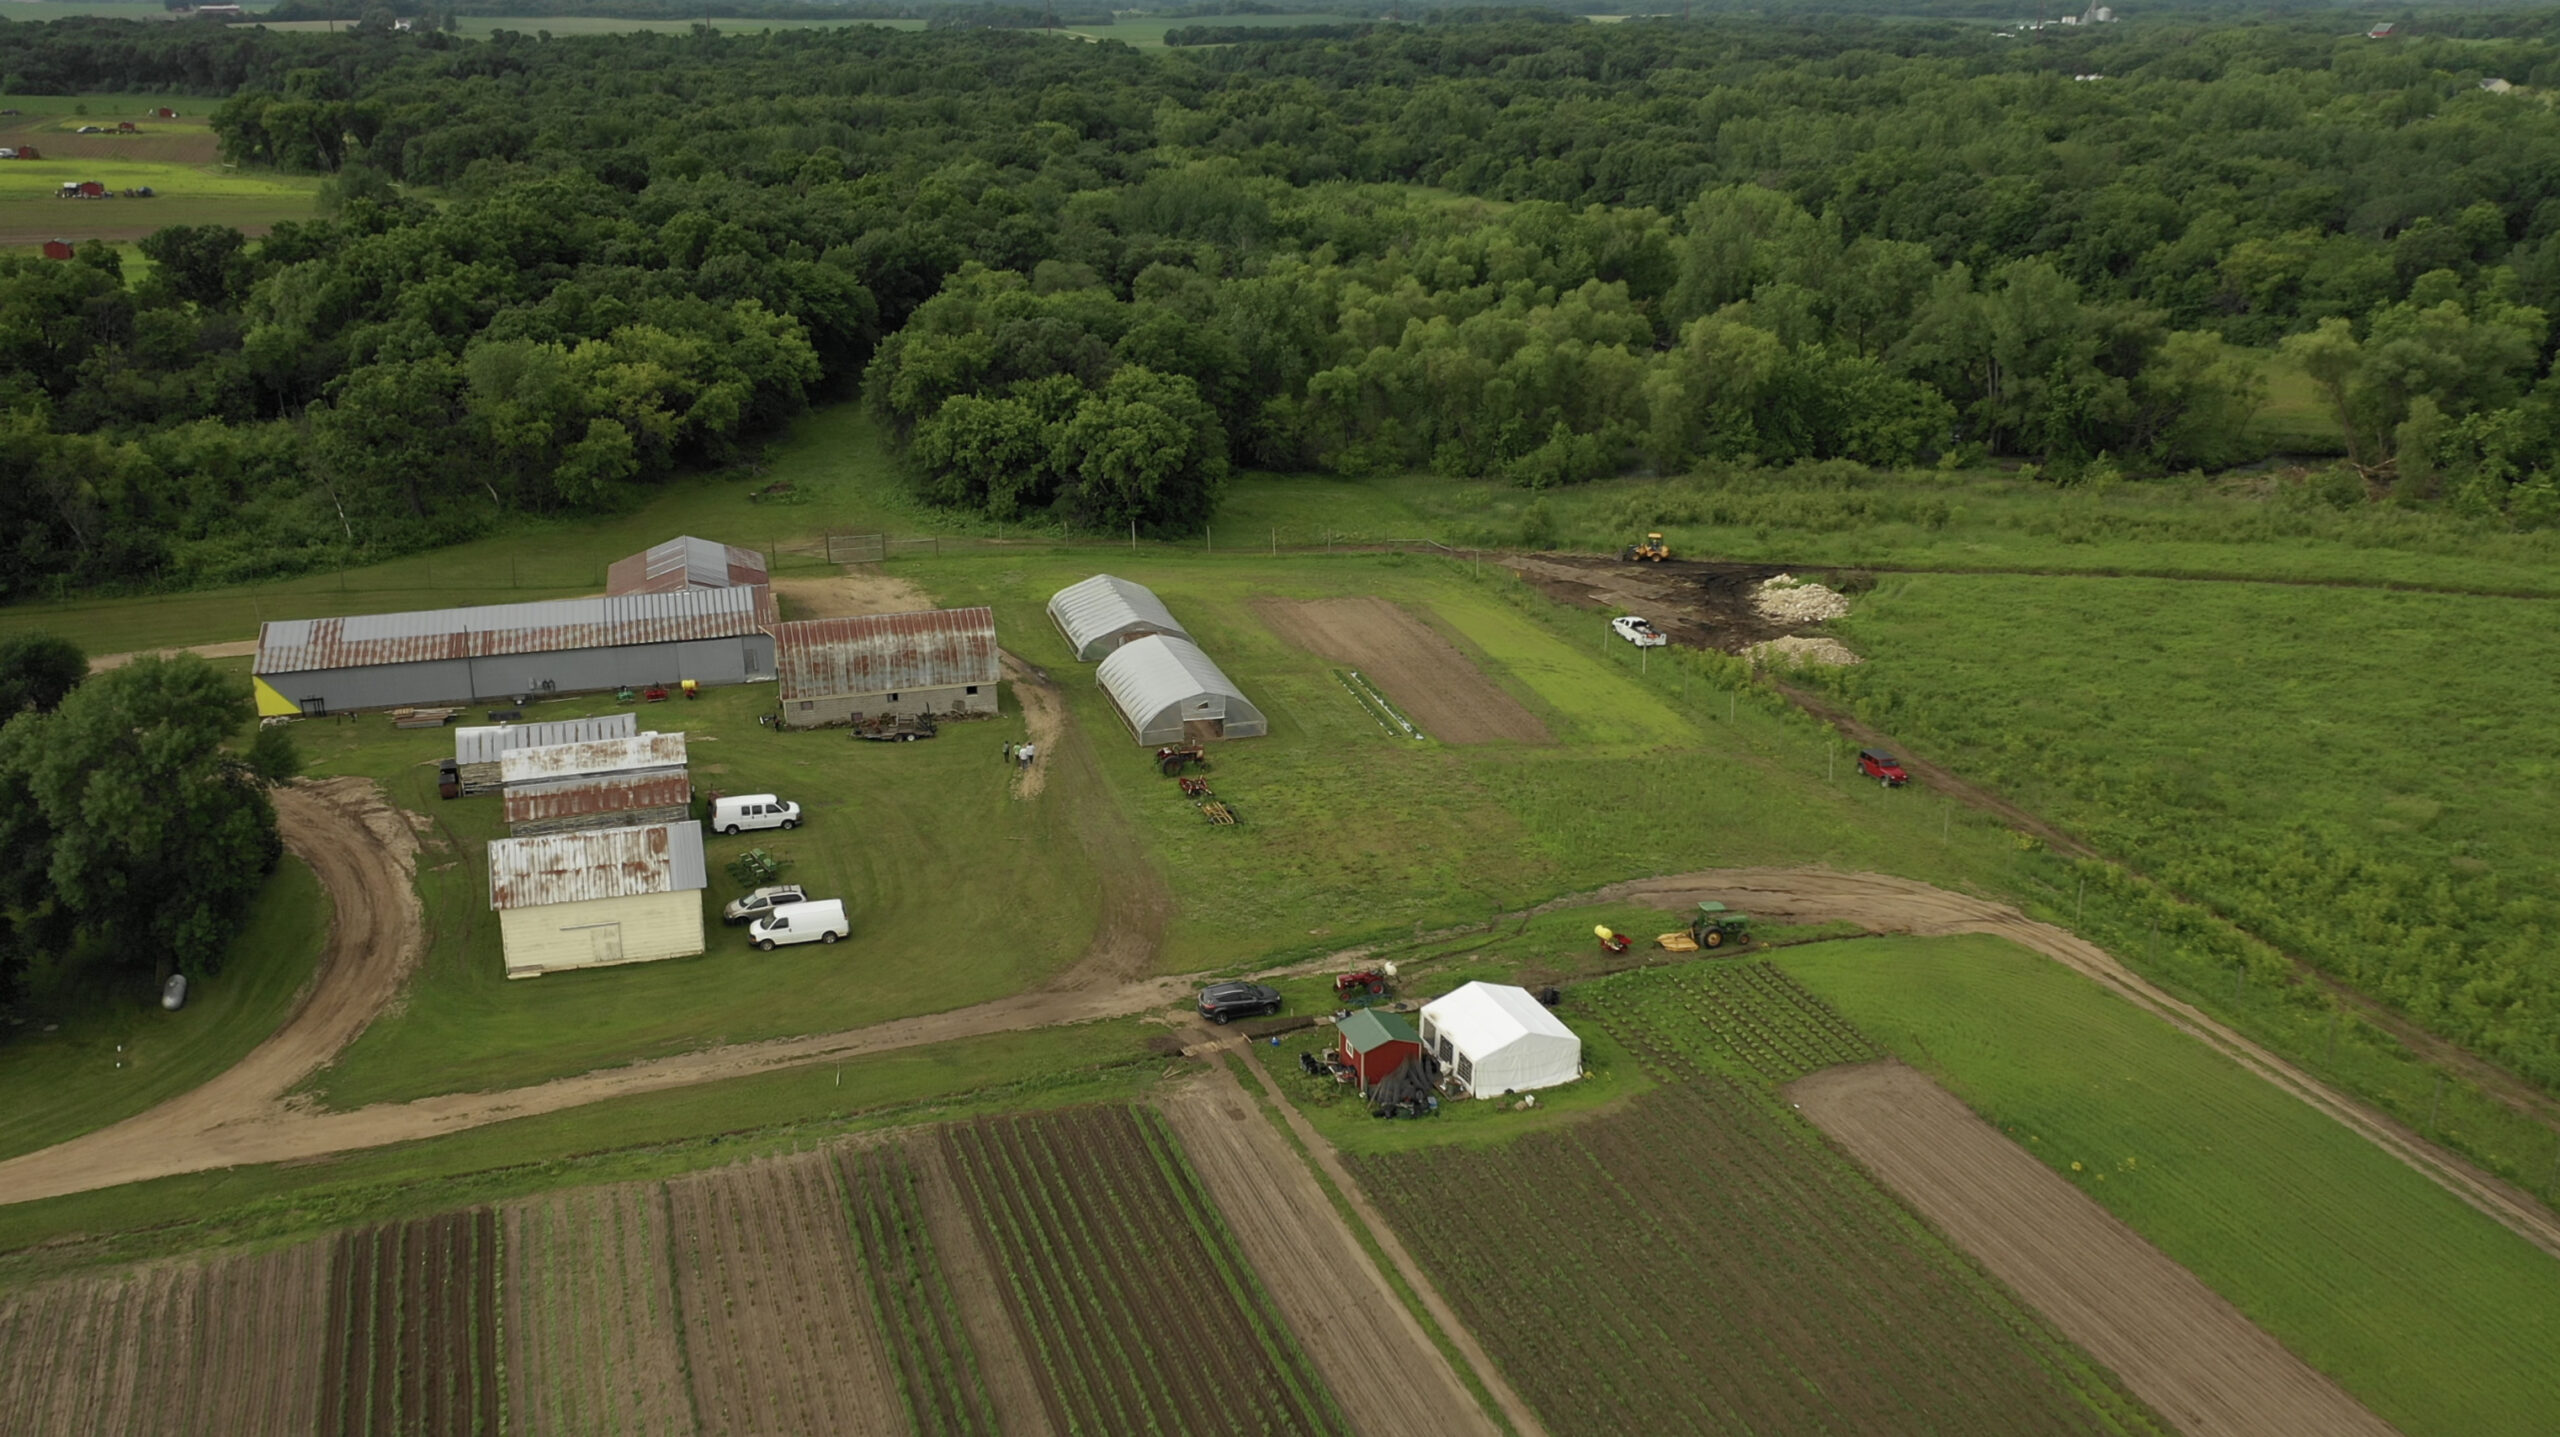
{"x":1083,"y":284}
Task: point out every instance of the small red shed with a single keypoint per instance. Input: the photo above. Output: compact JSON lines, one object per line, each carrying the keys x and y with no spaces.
{"x":57,"y":249}
{"x":92,"y":189}
{"x":1375,"y":1044}
{"x":164,"y":113}
{"x":124,"y":127}
{"x":28,"y":152}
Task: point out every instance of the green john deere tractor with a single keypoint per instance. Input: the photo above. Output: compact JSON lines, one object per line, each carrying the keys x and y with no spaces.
{"x":1717,"y":926}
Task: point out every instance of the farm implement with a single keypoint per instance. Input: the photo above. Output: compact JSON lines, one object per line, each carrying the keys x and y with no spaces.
{"x":1172,"y":761}
{"x":897,"y":728}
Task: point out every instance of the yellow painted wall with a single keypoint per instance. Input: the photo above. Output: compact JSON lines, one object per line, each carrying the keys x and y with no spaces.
{"x":634,"y":930}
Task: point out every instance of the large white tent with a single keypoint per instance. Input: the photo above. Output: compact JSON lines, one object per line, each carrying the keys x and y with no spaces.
{"x":1168,"y":691}
{"x":1497,"y":1039}
{"x":1104,"y":612}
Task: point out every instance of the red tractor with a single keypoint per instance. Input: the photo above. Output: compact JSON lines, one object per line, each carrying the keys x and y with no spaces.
{"x":1172,"y":761}
{"x":1367,"y":983}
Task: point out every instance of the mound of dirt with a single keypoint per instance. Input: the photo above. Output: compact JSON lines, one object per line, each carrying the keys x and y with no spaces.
{"x":1795,"y":650}
{"x":1787,"y":601}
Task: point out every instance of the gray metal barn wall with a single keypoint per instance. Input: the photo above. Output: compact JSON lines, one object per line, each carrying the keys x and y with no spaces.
{"x":845,"y":708}
{"x":505,"y":676}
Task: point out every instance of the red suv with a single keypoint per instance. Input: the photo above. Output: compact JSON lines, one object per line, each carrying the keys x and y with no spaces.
{"x":1883,"y":767}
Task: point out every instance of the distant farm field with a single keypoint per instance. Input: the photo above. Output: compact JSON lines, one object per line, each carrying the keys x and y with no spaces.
{"x":2352,"y":1259}
{"x":175,"y":159}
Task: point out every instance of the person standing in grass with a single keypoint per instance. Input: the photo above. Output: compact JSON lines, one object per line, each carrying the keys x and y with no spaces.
{"x":1029,"y":752}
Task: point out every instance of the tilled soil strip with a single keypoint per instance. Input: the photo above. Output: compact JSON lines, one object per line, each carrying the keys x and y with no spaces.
{"x":1347,"y":1318}
{"x":2173,"y":1340}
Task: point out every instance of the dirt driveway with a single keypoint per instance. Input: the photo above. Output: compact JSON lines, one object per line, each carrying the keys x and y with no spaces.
{"x":2176,"y":1342}
{"x":365,"y":855}
{"x":235,"y":649}
{"x":1109,"y":982}
{"x":1452,"y":699}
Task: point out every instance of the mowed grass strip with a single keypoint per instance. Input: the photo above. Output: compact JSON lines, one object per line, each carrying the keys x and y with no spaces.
{"x":2432,"y":1315}
{"x":113,"y":1050}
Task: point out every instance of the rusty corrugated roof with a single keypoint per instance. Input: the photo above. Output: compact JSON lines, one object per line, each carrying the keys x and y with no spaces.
{"x":685,"y":562}
{"x":288,"y":646}
{"x":886,"y":653}
{"x":488,"y":744}
{"x":602,"y":755}
{"x":595,"y":863}
{"x":598,"y":793}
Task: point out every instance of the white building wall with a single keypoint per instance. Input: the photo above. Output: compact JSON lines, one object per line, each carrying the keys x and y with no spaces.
{"x":601,"y":932}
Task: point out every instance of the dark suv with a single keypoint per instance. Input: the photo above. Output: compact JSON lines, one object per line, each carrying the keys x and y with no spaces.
{"x":1221,"y":1001}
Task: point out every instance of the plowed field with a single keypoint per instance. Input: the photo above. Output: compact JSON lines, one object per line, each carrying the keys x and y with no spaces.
{"x":777,"y":1325}
{"x":1129,"y":1290}
{"x":591,"y":1321}
{"x":2172,"y":1339}
{"x":412,"y":1335}
{"x":176,"y":1350}
{"x":1426,"y":676}
{"x":1696,"y":1263}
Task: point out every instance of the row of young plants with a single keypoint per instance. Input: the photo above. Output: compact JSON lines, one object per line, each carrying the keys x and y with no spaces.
{"x":1690,"y":1264}
{"x":413,"y":1328}
{"x":1730,"y":1015}
{"x":1139,"y":1324}
{"x":911,"y":1300}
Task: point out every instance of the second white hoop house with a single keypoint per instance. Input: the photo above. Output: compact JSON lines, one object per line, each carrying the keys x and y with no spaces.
{"x":1106,"y":611}
{"x":1168,"y":691}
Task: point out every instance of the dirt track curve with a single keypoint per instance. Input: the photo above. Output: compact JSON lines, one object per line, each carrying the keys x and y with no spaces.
{"x":245,"y":1121}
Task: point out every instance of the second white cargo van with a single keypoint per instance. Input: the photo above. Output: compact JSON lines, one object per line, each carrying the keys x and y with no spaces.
{"x":819,"y":920}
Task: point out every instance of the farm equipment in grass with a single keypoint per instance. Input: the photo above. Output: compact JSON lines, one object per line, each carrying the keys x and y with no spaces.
{"x":1217,"y":812}
{"x":1172,"y":761}
{"x":897,"y":728}
{"x":1716,"y":926}
{"x":1651,"y":551}
{"x":1361,"y":988}
{"x":1194,"y":787}
{"x":1610,"y":938}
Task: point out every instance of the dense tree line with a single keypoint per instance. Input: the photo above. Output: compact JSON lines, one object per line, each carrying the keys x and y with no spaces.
{"x":132,"y":834}
{"x":558,"y":270}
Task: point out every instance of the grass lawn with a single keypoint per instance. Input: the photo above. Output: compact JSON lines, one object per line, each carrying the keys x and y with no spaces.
{"x":2318,"y":764}
{"x":957,"y":894}
{"x":110,"y":1054}
{"x":2295,"y":419}
{"x":2434,"y":1316}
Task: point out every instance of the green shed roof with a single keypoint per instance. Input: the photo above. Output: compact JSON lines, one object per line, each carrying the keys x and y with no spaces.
{"x":1369,"y":1029}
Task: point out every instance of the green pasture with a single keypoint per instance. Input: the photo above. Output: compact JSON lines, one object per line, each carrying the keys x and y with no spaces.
{"x":2362,"y":777}
{"x":643,"y":1136}
{"x":1146,"y":32}
{"x":2436,"y":1317}
{"x":2295,"y":419}
{"x":958,"y":894}
{"x":80,"y":1058}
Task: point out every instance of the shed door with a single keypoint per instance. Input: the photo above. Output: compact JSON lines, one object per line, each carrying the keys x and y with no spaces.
{"x":608,"y":942}
{"x":1197,"y":730}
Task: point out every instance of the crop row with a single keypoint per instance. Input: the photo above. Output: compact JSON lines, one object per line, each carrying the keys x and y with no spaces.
{"x":412,"y":1335}
{"x":910,"y":1299}
{"x":1129,"y":1292}
{"x":591,"y":1324}
{"x":1692,"y":1265}
{"x":1742,"y":1018}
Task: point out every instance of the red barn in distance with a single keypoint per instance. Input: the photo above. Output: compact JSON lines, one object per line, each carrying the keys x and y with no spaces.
{"x":125,"y":127}
{"x":164,"y":113}
{"x":1375,"y":1044}
{"x":57,"y":249}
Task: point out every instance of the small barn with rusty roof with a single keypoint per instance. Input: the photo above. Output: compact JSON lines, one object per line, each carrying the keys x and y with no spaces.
{"x":598,"y":897}
{"x":940,"y":661}
{"x":512,"y":651}
{"x":597,"y":783}
{"x":686,"y":562}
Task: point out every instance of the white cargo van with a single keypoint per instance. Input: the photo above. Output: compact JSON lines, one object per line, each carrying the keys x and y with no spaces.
{"x":820,"y":920}
{"x":752,"y":810}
